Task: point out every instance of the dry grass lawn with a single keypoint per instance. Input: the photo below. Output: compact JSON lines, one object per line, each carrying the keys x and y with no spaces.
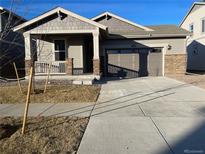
{"x":46,"y":135}
{"x":54,"y":94}
{"x":194,"y":79}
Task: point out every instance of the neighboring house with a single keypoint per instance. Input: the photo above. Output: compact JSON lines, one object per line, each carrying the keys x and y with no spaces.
{"x":106,"y":45}
{"x":11,"y":44}
{"x":194,"y":21}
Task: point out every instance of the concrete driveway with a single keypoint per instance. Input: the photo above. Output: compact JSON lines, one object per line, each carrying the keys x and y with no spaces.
{"x":154,"y":115}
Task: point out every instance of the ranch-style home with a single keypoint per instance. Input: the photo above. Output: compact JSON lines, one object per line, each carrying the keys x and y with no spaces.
{"x":69,"y":45}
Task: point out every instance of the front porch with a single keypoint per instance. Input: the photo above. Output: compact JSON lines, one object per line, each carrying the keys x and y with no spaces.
{"x":63,"y":56}
{"x":63,"y":43}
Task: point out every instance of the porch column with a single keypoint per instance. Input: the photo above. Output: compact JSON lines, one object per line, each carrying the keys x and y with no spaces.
{"x":96,"y":59}
{"x":28,"y":58}
{"x":69,"y":66}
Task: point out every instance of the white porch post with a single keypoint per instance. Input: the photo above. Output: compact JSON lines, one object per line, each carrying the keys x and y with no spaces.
{"x":28,"y":58}
{"x":96,"y":44}
{"x":96,"y":58}
{"x":27,"y":41}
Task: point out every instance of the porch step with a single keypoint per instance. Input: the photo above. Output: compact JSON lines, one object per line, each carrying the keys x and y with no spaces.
{"x":83,"y":82}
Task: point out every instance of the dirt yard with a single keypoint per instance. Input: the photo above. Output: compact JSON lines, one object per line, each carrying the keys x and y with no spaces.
{"x":194,"y":79}
{"x":44,"y":135}
{"x":54,"y":94}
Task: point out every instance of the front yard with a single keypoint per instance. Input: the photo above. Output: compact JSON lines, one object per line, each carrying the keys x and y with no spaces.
{"x":44,"y":135}
{"x":194,"y":79}
{"x":54,"y":94}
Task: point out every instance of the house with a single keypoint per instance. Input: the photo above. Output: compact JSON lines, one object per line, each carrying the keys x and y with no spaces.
{"x":106,"y":45}
{"x":194,"y":21}
{"x":11,"y":44}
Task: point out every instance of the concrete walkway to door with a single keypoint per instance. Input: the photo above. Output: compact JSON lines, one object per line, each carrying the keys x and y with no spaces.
{"x":154,"y":115}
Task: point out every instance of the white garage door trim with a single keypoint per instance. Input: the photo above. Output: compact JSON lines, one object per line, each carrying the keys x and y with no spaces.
{"x":164,"y":47}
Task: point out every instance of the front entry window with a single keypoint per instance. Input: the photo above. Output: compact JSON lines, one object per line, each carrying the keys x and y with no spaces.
{"x":59,"y":46}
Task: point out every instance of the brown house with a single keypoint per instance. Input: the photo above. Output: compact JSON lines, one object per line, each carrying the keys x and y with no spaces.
{"x":106,"y":45}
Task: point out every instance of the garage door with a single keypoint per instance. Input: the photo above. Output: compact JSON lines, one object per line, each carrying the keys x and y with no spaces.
{"x":131,"y":63}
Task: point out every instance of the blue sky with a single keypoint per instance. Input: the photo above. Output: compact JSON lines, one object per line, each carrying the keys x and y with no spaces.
{"x":145,"y":12}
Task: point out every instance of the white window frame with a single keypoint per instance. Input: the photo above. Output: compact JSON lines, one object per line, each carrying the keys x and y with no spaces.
{"x":192,"y":24}
{"x":54,"y":51}
{"x":202,"y":19}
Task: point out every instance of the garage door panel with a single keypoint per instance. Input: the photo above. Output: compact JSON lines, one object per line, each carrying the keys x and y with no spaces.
{"x":155,"y":64}
{"x":128,"y":61}
{"x":113,"y":59}
{"x":122,"y":65}
{"x":134,"y":64}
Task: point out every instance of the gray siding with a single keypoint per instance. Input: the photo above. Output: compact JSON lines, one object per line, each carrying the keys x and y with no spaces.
{"x":66,"y":23}
{"x":74,"y":48}
{"x":117,"y":26}
{"x":178,"y":46}
{"x":45,"y":49}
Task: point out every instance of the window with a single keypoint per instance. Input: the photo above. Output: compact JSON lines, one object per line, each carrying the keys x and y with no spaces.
{"x":191,"y":28}
{"x":203,"y":25}
{"x":59,"y":46}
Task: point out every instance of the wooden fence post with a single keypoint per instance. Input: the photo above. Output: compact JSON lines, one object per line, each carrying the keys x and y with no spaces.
{"x":27,"y":100}
{"x":17,"y":76}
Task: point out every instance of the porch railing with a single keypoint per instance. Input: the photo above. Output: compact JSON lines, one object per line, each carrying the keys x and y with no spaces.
{"x":57,"y":67}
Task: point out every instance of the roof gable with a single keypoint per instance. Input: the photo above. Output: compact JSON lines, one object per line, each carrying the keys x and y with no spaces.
{"x":121,"y":19}
{"x":191,"y":9}
{"x":58,"y":10}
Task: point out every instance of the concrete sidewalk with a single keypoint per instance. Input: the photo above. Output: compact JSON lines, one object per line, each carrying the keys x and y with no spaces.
{"x":46,"y":109}
{"x":146,"y":116}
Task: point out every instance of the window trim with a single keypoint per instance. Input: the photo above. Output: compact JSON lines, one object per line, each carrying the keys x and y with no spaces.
{"x":202,"y":25}
{"x":54,"y":51}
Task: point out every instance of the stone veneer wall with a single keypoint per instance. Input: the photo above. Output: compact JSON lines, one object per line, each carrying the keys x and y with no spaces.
{"x":96,"y":66}
{"x":175,"y":64}
{"x":69,"y":66}
{"x":28,"y":64}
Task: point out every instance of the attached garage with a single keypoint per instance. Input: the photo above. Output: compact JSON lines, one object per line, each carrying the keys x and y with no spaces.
{"x":132,"y":63}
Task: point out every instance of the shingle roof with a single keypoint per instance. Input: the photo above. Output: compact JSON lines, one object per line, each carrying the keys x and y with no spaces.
{"x":168,"y":29}
{"x":118,"y":26}
{"x":158,"y":31}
